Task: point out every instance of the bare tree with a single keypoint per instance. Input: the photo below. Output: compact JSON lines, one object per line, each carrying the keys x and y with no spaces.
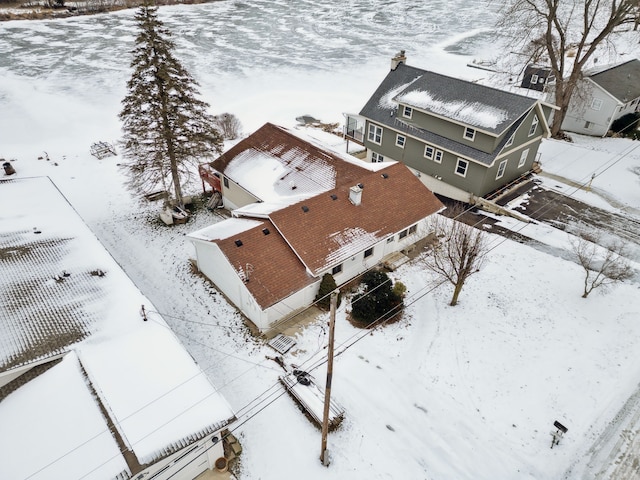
{"x":229,"y":126}
{"x":566,"y":33}
{"x":459,"y":253}
{"x":603,"y":265}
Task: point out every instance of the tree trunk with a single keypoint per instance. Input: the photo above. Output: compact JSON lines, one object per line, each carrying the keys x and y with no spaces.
{"x":456,"y":293}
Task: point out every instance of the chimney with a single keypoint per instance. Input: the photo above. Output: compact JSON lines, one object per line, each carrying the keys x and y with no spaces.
{"x":398,"y":59}
{"x":355,"y":195}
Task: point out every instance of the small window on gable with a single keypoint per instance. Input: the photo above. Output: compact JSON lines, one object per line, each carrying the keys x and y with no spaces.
{"x":523,"y":158}
{"x":225,"y":181}
{"x":400,"y":140}
{"x":368,"y":252}
{"x":469,"y":133}
{"x":510,"y":141}
{"x":407,"y":112}
{"x":429,"y":151}
{"x":501,"y":169}
{"x":596,"y":104}
{"x":403,"y":233}
{"x":413,"y":229}
{"x":534,"y":125}
{"x":336,"y":269}
{"x":375,"y":134}
{"x":461,"y":167}
{"x":534,"y":78}
{"x":376,"y":158}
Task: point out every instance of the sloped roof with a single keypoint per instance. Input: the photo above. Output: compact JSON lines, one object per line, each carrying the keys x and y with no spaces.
{"x":278,"y":166}
{"x":270,"y":269}
{"x":620,"y":80}
{"x":92,"y":312}
{"x":480,"y":107}
{"x":327,"y":232}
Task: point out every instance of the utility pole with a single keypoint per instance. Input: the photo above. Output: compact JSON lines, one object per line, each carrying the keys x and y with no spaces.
{"x":324,"y":458}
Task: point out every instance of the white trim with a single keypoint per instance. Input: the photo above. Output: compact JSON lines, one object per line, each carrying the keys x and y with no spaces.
{"x":534,"y":125}
{"x":469,"y":130}
{"x":459,"y":164}
{"x":404,"y":111}
{"x":372,"y":133}
{"x":404,"y":140}
{"x":523,"y":158}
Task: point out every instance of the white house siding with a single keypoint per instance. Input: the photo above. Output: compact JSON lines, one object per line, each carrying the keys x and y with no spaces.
{"x":290,"y":305}
{"x":580,"y":111}
{"x":187,"y":463}
{"x":234,"y":196}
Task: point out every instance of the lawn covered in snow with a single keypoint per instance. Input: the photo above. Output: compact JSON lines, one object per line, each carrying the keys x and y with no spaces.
{"x":465,"y":392}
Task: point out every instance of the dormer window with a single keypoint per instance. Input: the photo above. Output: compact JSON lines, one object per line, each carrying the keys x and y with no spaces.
{"x":407,"y":112}
{"x":469,"y":133}
{"x":534,"y":125}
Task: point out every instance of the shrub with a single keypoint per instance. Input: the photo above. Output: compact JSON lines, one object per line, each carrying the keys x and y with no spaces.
{"x":327,"y":285}
{"x":380,"y":300}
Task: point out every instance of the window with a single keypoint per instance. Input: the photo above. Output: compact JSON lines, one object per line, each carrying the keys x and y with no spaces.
{"x":587,"y":125}
{"x":523,"y":157}
{"x":596,"y":104}
{"x":400,"y":140}
{"x":403,"y":234}
{"x":510,"y":141}
{"x":413,"y":229}
{"x":534,"y":79}
{"x":501,"y":168}
{"x":225,"y":180}
{"x":375,"y":134}
{"x":368,"y":252}
{"x":390,"y":239}
{"x":336,"y":269}
{"x":438,"y":157}
{"x":429,"y":151}
{"x":461,"y":167}
{"x":407,"y":111}
{"x":534,"y":125}
{"x":376,"y":158}
{"x":469,"y":133}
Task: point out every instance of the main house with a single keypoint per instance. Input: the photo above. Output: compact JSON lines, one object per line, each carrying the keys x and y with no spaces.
{"x":302,"y":210}
{"x":91,"y":385}
{"x":462,"y":139}
{"x":603,"y":95}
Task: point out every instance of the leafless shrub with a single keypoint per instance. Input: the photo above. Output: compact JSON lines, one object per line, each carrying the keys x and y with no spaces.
{"x":229,"y":126}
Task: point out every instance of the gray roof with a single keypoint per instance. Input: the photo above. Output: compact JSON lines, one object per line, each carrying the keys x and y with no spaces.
{"x":622,"y":80}
{"x":382,"y":107}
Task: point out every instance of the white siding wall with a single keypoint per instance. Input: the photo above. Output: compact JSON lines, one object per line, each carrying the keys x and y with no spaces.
{"x":292,"y":304}
{"x":187,"y":463}
{"x":580,"y":111}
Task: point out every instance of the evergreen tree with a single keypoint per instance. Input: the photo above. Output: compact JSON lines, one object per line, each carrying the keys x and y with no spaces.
{"x":379,"y":301}
{"x":327,"y":285}
{"x":166,"y":128}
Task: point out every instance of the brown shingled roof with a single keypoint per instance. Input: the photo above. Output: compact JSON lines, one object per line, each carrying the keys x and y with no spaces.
{"x":295,"y":153}
{"x":326,"y":232}
{"x":274,"y":271}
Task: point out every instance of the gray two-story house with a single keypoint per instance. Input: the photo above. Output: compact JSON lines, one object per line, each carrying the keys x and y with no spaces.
{"x":462,"y":139}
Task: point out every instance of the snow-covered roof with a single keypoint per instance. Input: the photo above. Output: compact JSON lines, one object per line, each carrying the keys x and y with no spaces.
{"x":140,"y":373}
{"x":280,"y":166}
{"x":484,"y":108}
{"x":225,"y":229}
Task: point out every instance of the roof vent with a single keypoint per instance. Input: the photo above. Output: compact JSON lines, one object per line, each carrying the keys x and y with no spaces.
{"x":334,"y":196}
{"x":238,"y":243}
{"x":266,"y":231}
{"x":384,"y":175}
{"x":305,"y":209}
{"x":355,"y":194}
{"x":361,"y":186}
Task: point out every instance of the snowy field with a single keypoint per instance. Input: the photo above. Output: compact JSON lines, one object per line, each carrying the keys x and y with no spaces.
{"x":465,"y":392}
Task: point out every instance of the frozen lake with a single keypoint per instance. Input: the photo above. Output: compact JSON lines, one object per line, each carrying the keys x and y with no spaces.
{"x":61,"y":81}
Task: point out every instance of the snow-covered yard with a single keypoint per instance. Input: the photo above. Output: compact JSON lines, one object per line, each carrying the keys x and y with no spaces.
{"x":465,"y":392}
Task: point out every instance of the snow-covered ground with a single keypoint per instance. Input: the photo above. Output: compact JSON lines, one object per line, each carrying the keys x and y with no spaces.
{"x":465,"y":392}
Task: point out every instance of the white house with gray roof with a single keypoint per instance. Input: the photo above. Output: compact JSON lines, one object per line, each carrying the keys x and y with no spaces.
{"x":603,"y":95}
{"x":461,"y":138}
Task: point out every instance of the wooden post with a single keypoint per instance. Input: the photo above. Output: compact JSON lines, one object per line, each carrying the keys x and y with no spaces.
{"x":327,"y":392}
